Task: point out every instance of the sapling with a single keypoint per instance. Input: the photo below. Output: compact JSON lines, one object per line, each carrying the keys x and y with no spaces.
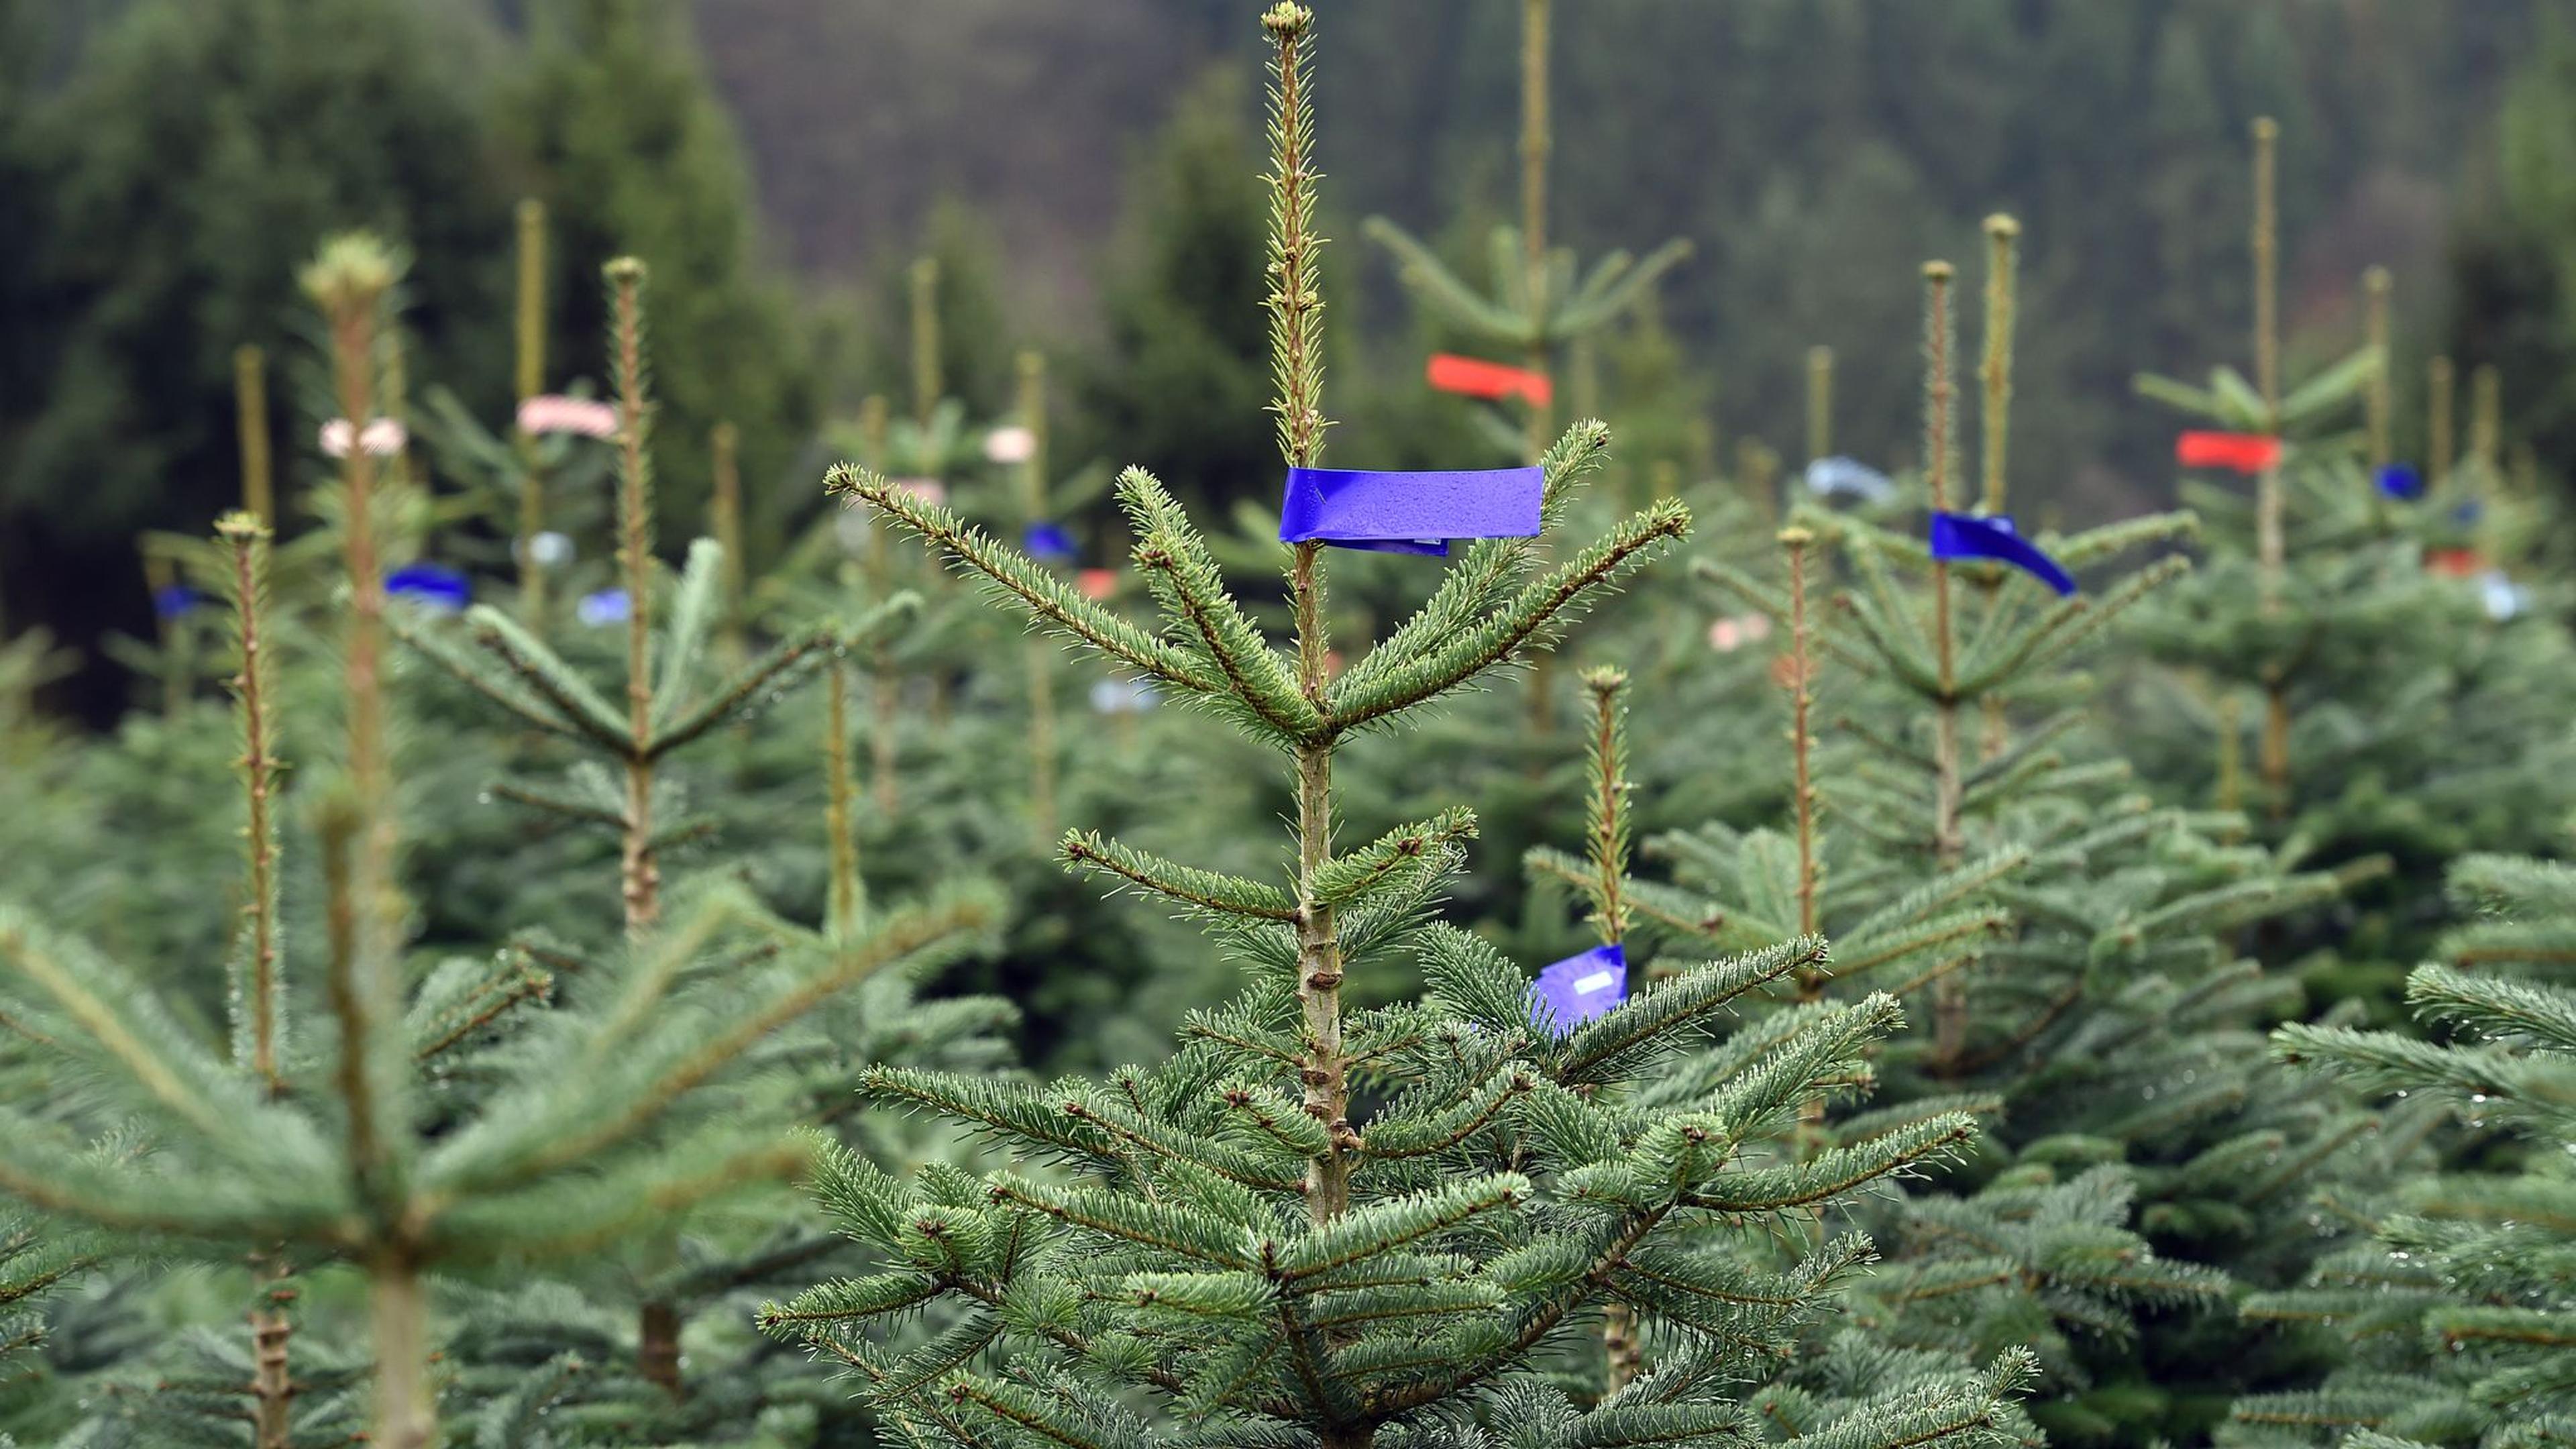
{"x":2360,"y":615}
{"x":1326,"y":1224}
{"x":662,"y":714}
{"x":1540,"y":301}
{"x":2076,"y":941}
{"x":593,"y":1117}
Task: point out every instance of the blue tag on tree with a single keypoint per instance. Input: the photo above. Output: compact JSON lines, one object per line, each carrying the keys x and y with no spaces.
{"x":2400,"y":480}
{"x":431,"y":586}
{"x":1966,"y":536}
{"x":602,"y":609}
{"x":1579,"y":988}
{"x":1048,"y":543}
{"x":1409,"y":512}
{"x":175,"y":601}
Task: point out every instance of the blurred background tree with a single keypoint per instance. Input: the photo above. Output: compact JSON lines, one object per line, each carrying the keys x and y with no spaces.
{"x":1178,"y":380}
{"x":163,"y":190}
{"x":2513,"y":298}
{"x":783,"y":161}
{"x":633,"y":154}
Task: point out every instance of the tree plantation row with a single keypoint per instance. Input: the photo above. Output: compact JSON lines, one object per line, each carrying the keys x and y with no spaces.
{"x":1510,"y":948}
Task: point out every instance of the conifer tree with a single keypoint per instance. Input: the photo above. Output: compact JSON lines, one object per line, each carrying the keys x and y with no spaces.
{"x":667,"y":709}
{"x":1542,"y":302}
{"x":1238,"y":1238}
{"x":2460,"y":1311}
{"x":634,"y":155}
{"x":2357,"y":618}
{"x":936,"y":715}
{"x":534,"y":482}
{"x":2070,"y":940}
{"x":587,"y":1114}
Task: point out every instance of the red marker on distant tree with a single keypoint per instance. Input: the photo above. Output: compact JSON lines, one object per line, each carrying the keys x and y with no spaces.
{"x":2457,"y":563}
{"x":1475,"y":377}
{"x":2244,"y":452}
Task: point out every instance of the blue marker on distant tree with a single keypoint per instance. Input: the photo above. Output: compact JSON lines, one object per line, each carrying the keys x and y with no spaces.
{"x":435,"y":587}
{"x":599,"y":610}
{"x":175,"y":601}
{"x":1962,"y":536}
{"x":1049,"y":543}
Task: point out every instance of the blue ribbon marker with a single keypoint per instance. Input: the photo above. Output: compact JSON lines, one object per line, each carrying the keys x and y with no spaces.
{"x":431,"y":586}
{"x":1409,"y":512}
{"x":1579,"y":988}
{"x":1048,"y":543}
{"x":175,"y":601}
{"x":2400,"y":480}
{"x":602,"y":609}
{"x":2469,"y":512}
{"x":1964,"y":536}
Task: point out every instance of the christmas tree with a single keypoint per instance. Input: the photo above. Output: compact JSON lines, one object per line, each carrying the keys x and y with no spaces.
{"x":1331,"y":1224}
{"x":2460,"y":1310}
{"x":2354,"y":619}
{"x":432,"y":1129}
{"x":2071,"y":942}
{"x":1542,"y":302}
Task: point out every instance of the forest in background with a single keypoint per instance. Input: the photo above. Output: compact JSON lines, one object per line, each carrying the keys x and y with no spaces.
{"x":791,"y":158}
{"x":1812,"y":152}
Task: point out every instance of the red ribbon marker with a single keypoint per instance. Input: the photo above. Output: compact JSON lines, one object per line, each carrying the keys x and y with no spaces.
{"x":1475,"y":377}
{"x":2458,"y":563}
{"x":2244,"y":452}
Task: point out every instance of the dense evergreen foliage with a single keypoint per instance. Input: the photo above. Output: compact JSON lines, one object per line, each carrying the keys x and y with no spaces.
{"x":2458,"y":1308}
{"x":1817,"y":944}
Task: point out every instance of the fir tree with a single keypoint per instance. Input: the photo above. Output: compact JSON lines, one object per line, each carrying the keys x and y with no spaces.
{"x":1238,"y":1238}
{"x":2388,"y":703}
{"x":2461,"y":1310}
{"x":634,"y":156}
{"x":361,"y":1149}
{"x":945,"y":295}
{"x":538,"y":490}
{"x":937,"y":716}
{"x":2070,"y":940}
{"x":669,"y":709}
{"x":1543,"y":302}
